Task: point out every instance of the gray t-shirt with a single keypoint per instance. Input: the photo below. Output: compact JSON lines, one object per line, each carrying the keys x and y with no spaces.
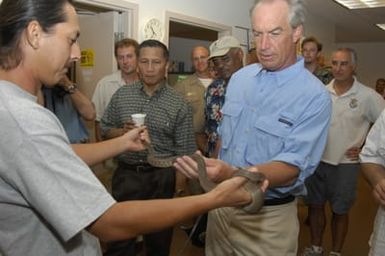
{"x":48,"y":195}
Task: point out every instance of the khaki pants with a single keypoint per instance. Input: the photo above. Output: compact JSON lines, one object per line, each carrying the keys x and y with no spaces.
{"x":273,"y":231}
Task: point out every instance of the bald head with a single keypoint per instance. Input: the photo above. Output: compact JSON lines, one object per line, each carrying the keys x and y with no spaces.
{"x":199,"y":50}
{"x":199,"y":57}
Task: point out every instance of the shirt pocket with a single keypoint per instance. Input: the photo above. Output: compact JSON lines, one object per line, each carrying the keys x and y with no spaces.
{"x":195,"y":100}
{"x":268,"y":137}
{"x":231,"y":114}
{"x":161,"y":121}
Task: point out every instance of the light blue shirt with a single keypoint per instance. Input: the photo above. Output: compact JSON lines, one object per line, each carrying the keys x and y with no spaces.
{"x":275,"y":116}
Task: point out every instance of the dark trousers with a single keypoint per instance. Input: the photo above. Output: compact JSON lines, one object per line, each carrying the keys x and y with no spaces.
{"x":131,"y":182}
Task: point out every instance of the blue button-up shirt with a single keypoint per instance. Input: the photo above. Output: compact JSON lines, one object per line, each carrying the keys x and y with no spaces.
{"x":275,"y":116}
{"x":60,"y":103}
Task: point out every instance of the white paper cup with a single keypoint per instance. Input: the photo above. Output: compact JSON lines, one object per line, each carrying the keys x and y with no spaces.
{"x":138,"y":119}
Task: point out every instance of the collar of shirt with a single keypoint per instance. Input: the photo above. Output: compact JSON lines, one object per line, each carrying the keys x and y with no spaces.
{"x":17,"y":89}
{"x":351,"y":91}
{"x":216,"y":83}
{"x":284,"y":75}
{"x":116,"y":77}
{"x":160,"y":87}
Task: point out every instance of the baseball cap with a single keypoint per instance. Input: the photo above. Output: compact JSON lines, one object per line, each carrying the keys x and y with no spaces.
{"x":221,"y":46}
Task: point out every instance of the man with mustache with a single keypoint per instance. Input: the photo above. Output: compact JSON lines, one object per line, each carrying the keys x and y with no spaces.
{"x":355,"y":108}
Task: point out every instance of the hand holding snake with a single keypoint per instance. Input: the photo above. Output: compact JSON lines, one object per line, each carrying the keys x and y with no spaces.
{"x":195,"y":165}
{"x":256,"y":182}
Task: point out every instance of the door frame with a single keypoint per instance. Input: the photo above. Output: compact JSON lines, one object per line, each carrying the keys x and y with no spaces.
{"x":120,"y":6}
{"x":193,"y":21}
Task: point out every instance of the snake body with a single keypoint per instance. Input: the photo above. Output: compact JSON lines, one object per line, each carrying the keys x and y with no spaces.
{"x":253,"y":184}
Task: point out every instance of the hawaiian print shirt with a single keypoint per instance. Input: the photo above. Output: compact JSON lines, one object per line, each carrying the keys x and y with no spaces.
{"x":324,"y":74}
{"x":214,"y":98}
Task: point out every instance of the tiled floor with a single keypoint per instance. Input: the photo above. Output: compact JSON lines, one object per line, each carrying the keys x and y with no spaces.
{"x":182,"y":247}
{"x":356,"y":243}
{"x":360,"y":224}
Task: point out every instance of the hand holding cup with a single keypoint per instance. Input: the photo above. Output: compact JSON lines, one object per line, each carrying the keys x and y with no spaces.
{"x":138,"y":119}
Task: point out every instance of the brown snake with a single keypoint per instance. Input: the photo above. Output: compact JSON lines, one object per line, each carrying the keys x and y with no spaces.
{"x":253,"y":184}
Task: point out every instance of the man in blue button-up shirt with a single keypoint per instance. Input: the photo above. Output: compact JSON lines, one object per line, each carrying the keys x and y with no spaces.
{"x":275,"y":121}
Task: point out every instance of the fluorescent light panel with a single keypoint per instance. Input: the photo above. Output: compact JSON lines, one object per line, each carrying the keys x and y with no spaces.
{"x":358,"y":4}
{"x":381,"y":26}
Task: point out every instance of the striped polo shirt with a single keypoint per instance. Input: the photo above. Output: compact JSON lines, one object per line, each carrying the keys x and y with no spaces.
{"x":168,"y":119}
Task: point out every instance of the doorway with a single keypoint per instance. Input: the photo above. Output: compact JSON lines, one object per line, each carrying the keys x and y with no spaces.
{"x":102,"y":23}
{"x":184,"y":32}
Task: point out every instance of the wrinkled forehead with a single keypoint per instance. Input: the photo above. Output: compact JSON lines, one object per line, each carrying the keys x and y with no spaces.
{"x":342,"y":56}
{"x":151,"y":53}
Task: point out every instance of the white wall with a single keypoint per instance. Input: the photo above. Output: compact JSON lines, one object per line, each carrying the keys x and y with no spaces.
{"x":232,"y":13}
{"x":236,"y":13}
{"x":371,"y":56}
{"x":226,"y":12}
{"x":323,"y":30}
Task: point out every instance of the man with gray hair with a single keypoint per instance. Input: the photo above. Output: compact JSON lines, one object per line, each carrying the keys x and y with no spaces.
{"x":275,"y":121}
{"x":355,"y":108}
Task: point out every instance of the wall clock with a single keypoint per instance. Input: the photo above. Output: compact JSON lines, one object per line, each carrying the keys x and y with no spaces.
{"x":154,"y":30}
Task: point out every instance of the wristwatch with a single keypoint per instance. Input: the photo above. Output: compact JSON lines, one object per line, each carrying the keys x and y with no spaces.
{"x":71,"y":88}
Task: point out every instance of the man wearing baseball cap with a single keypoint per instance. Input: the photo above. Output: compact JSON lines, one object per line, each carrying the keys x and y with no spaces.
{"x":227,"y":55}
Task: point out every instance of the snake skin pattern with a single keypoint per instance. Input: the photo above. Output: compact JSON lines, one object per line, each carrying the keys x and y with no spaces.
{"x":255,"y":179}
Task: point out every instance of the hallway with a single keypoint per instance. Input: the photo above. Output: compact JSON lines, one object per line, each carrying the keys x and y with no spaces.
{"x":360,"y":224}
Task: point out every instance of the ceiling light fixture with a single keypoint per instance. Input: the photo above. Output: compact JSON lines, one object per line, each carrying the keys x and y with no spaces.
{"x":358,"y":4}
{"x":381,"y":26}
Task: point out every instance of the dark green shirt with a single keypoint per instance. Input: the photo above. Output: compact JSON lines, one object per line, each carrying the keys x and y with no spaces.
{"x":168,"y":119}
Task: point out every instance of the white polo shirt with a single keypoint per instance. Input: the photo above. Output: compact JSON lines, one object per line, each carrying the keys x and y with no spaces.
{"x":104,"y":90}
{"x":352,"y":114}
{"x":374,"y":149}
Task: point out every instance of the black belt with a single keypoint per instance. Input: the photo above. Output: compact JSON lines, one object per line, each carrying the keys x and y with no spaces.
{"x":142,"y":167}
{"x":279,"y":201}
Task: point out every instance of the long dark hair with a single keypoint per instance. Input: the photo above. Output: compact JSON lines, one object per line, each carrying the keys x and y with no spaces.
{"x":15,"y":15}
